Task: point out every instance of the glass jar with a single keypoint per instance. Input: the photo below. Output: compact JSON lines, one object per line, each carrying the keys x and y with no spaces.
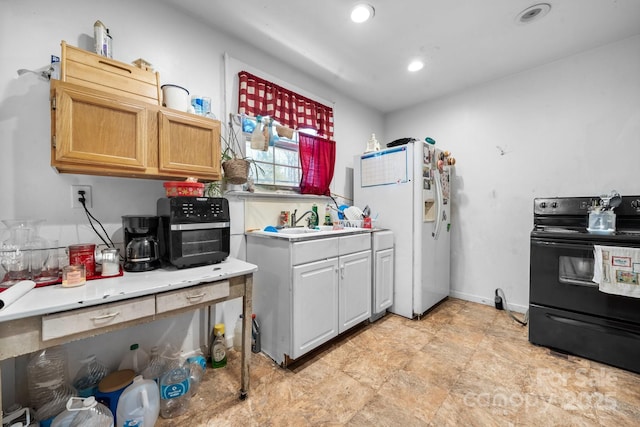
{"x":84,"y":254}
{"x":110,"y":262}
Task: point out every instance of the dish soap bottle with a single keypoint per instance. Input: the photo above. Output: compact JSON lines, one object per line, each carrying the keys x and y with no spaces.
{"x":218,"y":347}
{"x":316,"y":221}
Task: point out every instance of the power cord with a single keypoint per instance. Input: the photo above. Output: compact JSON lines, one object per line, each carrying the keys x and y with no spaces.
{"x":500,"y":301}
{"x":90,"y":217}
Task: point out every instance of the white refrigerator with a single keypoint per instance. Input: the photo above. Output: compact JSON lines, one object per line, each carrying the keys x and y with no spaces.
{"x":408,"y":191}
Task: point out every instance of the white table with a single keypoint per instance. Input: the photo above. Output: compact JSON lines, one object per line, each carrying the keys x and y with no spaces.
{"x":53,"y":315}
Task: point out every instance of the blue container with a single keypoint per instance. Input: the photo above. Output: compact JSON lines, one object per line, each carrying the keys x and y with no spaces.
{"x":112,"y":386}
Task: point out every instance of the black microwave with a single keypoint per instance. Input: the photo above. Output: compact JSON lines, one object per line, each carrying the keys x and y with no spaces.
{"x":194,"y":230}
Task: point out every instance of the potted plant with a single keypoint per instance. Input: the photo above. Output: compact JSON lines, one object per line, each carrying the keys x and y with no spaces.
{"x":234,"y":164}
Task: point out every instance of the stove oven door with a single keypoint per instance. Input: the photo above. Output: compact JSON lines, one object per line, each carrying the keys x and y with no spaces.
{"x":567,"y":311}
{"x":561,"y":277}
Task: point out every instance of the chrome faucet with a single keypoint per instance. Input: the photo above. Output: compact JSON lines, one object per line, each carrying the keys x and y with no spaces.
{"x":295,"y":221}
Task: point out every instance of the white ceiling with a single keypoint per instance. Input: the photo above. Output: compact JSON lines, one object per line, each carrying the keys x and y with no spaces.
{"x":463,"y":42}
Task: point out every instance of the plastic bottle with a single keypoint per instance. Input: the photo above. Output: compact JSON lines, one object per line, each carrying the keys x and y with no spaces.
{"x":43,"y":368}
{"x":84,"y":412}
{"x":327,"y":216}
{"x":174,"y":388}
{"x":58,"y":394}
{"x":100,"y":38}
{"x":237,"y":334}
{"x":218,"y":349}
{"x":197,"y":368}
{"x":256,"y":347}
{"x":156,"y":366}
{"x":89,"y":375}
{"x":136,"y":359}
{"x":315,"y":220}
{"x":139,"y":404}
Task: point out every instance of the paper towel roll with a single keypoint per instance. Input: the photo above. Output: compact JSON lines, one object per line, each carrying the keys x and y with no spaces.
{"x":16,"y":291}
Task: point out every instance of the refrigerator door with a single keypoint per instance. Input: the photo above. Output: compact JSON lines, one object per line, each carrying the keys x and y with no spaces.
{"x":434,"y":243}
{"x":384,"y":181}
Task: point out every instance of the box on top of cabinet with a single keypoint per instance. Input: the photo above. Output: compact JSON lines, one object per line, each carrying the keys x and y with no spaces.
{"x":98,"y":72}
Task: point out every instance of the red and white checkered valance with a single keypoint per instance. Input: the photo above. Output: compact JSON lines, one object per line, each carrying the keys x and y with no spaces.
{"x":259,"y":97}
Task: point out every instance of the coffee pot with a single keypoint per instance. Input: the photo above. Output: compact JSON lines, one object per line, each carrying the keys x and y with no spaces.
{"x":141,"y":242}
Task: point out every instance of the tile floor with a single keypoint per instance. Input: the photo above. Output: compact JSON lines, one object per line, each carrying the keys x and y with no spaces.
{"x":462,"y":364}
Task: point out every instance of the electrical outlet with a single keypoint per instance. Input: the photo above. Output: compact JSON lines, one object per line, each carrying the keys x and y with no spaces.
{"x":75,"y":196}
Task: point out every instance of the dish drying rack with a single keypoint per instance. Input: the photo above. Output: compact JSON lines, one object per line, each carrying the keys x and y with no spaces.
{"x":350,"y":223}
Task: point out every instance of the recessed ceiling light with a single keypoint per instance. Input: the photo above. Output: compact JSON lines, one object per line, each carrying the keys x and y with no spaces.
{"x":415,"y":66}
{"x":533,"y":13}
{"x":362,"y":12}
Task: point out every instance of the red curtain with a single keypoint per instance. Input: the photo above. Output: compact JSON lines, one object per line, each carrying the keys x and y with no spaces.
{"x":259,"y":97}
{"x":317,"y":158}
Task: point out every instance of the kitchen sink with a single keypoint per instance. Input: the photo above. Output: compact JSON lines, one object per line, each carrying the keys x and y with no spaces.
{"x":304,"y":233}
{"x":298,"y":230}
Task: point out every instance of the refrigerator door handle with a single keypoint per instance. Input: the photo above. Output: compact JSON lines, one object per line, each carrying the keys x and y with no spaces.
{"x":438,"y":225}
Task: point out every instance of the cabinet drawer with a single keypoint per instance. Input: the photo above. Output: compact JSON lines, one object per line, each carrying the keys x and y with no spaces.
{"x":87,"y":319}
{"x":314,"y":250}
{"x":355,"y":243}
{"x":169,"y":301}
{"x":98,"y":72}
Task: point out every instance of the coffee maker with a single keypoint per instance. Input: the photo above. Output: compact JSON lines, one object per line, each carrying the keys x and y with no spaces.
{"x":141,"y":242}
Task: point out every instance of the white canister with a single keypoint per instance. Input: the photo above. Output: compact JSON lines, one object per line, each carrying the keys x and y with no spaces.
{"x":176,"y":97}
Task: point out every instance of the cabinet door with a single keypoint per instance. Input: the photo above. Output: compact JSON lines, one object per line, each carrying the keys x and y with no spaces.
{"x":383,"y":280}
{"x":355,"y":289}
{"x":95,"y":131}
{"x":189,"y":145}
{"x":315,"y":305}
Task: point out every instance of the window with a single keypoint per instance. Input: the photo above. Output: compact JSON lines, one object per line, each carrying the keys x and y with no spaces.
{"x":281,"y":163}
{"x":278,"y":166}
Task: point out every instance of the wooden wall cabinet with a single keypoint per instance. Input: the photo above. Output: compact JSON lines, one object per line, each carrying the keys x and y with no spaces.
{"x":101,"y":133}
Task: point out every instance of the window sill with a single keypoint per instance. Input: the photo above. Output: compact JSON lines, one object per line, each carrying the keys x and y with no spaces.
{"x":281,"y":194}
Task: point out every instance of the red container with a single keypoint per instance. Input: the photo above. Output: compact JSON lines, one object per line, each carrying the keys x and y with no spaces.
{"x":184,"y":188}
{"x":84,"y":253}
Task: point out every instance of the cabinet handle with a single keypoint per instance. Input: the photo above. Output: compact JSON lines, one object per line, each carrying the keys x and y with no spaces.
{"x":115,"y":66}
{"x":105,"y":316}
{"x":342,"y":271}
{"x":198,"y":296}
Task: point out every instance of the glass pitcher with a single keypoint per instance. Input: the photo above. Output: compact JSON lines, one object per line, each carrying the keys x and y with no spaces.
{"x":24,"y":253}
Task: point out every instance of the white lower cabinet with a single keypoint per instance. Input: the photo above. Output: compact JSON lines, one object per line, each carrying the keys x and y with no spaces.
{"x":355,"y":289}
{"x":315,"y":305}
{"x":308,"y":292}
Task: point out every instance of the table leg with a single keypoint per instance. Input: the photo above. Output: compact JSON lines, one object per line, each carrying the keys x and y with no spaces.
{"x":245,"y":357}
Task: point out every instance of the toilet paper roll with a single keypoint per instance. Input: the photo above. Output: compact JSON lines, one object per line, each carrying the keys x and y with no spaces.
{"x":16,"y":291}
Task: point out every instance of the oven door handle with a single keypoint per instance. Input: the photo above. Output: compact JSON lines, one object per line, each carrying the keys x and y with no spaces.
{"x":578,"y":282}
{"x":576,"y":246}
{"x":200,"y":226}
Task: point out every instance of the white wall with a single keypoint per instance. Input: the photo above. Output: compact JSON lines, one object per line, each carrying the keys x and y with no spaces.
{"x":569,"y":128}
{"x":185,"y":52}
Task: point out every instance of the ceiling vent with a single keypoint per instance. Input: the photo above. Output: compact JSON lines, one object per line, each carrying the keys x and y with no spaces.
{"x":533,"y":13}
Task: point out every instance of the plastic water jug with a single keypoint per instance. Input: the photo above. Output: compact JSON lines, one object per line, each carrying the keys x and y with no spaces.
{"x":84,"y":412}
{"x":136,"y":359}
{"x":174,"y":389}
{"x":139,"y":404}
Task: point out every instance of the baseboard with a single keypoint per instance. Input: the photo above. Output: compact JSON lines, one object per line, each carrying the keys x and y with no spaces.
{"x":487,"y":301}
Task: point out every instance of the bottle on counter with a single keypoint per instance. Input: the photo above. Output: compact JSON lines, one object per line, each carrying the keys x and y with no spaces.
{"x":315,"y":219}
{"x":135,"y":359}
{"x":174,"y":388}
